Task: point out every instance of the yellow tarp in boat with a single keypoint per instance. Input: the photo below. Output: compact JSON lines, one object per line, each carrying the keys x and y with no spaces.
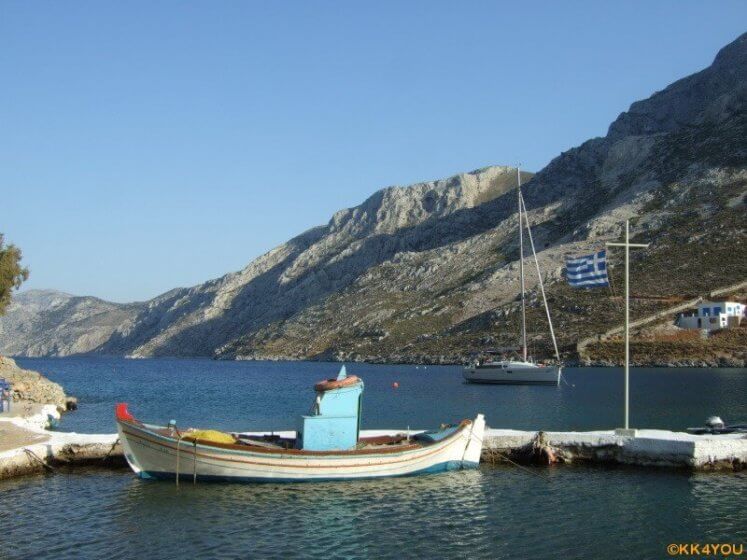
{"x":209,"y":436}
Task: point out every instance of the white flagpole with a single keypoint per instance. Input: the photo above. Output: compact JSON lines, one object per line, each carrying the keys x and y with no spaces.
{"x":627,"y":323}
{"x":627,"y":246}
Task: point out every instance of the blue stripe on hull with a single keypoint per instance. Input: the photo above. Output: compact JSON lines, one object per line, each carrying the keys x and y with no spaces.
{"x":187,"y":477}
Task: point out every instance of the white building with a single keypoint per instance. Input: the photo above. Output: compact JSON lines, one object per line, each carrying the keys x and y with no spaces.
{"x":713,"y":315}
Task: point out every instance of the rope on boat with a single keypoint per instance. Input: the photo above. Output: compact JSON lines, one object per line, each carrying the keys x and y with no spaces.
{"x":469,"y":440}
{"x":33,"y":455}
{"x":194,"y":463}
{"x":178,"y":442}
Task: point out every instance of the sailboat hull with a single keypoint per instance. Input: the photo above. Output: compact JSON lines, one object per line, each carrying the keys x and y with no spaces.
{"x":513,"y":375}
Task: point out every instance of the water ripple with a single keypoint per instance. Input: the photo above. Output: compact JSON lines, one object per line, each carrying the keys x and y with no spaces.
{"x":489,"y":513}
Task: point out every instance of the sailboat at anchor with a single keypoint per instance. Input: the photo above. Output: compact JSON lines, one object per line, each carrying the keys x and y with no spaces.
{"x":496,"y":369}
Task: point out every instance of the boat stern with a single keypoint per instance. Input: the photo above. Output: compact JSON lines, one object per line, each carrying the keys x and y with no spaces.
{"x":473,"y":445}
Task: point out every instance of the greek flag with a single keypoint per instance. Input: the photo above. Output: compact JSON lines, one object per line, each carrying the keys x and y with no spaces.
{"x":588,"y":271}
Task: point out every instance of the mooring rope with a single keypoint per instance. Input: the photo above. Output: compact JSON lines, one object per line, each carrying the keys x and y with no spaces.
{"x":105,"y":457}
{"x":522,"y":467}
{"x":35,"y":456}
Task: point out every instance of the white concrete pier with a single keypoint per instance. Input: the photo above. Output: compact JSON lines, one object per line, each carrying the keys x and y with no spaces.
{"x":27,"y":447}
{"x":658,"y":448}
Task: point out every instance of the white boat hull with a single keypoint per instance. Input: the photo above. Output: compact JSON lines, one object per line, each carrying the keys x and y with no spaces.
{"x":153,"y":455}
{"x":513,"y":375}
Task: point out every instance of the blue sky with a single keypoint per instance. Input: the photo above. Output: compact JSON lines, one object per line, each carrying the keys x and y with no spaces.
{"x":149,"y":145}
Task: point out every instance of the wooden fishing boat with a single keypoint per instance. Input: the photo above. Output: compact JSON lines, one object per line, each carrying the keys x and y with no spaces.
{"x":327,"y":446}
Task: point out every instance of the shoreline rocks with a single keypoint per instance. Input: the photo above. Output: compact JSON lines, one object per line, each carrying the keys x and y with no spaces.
{"x":454,"y":360}
{"x":32,"y":387}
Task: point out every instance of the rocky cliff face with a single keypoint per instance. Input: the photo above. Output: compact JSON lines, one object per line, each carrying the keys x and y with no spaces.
{"x":209,"y":319}
{"x":429,"y":272}
{"x":51,"y":323}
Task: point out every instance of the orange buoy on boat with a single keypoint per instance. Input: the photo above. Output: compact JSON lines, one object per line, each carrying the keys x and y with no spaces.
{"x":329,"y":384}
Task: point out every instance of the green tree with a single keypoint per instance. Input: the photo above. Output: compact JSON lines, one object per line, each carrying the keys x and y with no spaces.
{"x":12,"y":274}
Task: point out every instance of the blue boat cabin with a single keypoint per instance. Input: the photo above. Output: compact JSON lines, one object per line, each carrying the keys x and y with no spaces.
{"x":334,"y":420}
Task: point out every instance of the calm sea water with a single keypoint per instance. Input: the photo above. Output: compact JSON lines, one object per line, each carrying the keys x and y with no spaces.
{"x":493,"y":512}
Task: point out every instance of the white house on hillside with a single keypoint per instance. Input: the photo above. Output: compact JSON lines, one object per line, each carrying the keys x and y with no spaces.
{"x":713,"y":315}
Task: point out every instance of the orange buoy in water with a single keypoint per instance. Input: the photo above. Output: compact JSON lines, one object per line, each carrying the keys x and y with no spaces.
{"x":395,"y":385}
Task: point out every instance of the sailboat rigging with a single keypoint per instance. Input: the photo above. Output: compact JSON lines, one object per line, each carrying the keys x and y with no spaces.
{"x":494,"y":369}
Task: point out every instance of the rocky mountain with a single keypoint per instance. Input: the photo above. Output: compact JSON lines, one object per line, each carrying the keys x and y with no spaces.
{"x":51,"y":323}
{"x":429,"y":272}
{"x":307,"y":271}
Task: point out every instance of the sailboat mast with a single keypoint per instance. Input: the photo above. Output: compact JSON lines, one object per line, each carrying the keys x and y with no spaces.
{"x":521,"y":270}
